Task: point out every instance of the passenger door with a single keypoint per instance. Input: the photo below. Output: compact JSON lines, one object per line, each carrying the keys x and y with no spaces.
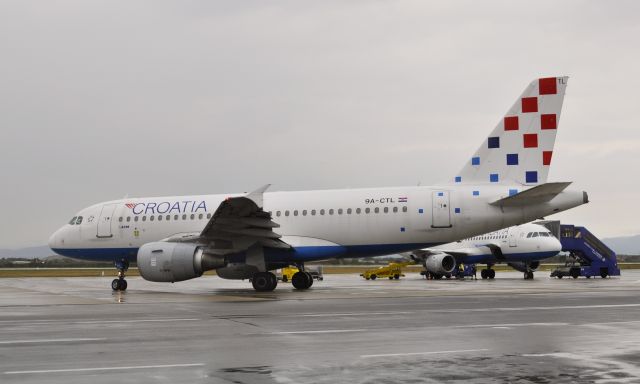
{"x":441,"y":211}
{"x":104,"y":221}
{"x":513,"y":236}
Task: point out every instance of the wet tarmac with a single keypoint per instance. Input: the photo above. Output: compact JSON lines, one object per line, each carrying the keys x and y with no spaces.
{"x":344,"y":329}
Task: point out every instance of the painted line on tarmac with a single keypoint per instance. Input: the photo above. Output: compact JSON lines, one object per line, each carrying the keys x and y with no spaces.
{"x":39,"y":341}
{"x":514,"y":309}
{"x":351,"y":314}
{"x":96,"y":321}
{"x":104,"y":368}
{"x":512,"y":325}
{"x":320,"y":331}
{"x":423,"y":353}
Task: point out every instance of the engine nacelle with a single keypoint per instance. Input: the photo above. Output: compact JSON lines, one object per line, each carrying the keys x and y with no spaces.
{"x":440,"y":264}
{"x":524,"y":267}
{"x":171,"y":262}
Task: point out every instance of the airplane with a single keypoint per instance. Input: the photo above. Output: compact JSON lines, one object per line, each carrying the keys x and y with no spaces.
{"x":246,"y":236}
{"x":521,"y":247}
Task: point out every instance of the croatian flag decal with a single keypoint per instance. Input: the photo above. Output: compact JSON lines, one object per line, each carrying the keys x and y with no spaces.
{"x":402,"y":199}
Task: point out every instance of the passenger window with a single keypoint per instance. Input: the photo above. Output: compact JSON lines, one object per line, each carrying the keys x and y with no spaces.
{"x":144,"y":218}
{"x":209,"y":215}
{"x":322,"y":211}
{"x":128,"y":219}
{"x":367,"y":210}
{"x":348,"y":211}
{"x":286,"y":213}
{"x":404,"y":209}
{"x":313,"y":212}
{"x":331,"y":211}
{"x":135,"y":218}
{"x":395,"y":209}
{"x":193,"y":216}
{"x":73,"y":221}
{"x":184,"y":217}
{"x":200,"y":216}
{"x":358,"y":210}
{"x":278,"y":213}
{"x":159,"y":217}
{"x":151,"y":218}
{"x":340,"y":211}
{"x":79,"y":220}
{"x":295,"y":213}
{"x":120,"y":219}
{"x":304,"y":212}
{"x":168,"y":217}
{"x":376,"y":210}
{"x":175,"y":217}
{"x":386,"y":209}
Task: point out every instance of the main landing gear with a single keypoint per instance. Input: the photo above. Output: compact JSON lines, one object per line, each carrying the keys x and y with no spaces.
{"x":528,"y":275}
{"x":487,"y":273}
{"x":264,"y":281}
{"x":120,"y":284}
{"x":302,"y":280}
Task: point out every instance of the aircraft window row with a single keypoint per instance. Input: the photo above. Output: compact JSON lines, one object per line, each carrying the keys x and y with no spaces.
{"x":76,"y":220}
{"x":489,"y":237}
{"x":165,"y":217}
{"x":340,"y":211}
{"x":541,"y":234}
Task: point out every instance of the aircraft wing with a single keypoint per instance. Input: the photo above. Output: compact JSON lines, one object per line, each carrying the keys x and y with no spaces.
{"x":237,"y":224}
{"x":538,"y":194}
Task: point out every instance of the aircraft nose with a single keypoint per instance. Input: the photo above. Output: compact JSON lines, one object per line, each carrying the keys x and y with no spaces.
{"x":556,"y":245}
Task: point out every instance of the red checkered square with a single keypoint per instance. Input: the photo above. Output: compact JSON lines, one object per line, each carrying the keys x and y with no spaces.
{"x":511,"y":123}
{"x":548,"y":86}
{"x":546,"y":157}
{"x":548,"y":121}
{"x":529,"y":104}
{"x":530,"y":140}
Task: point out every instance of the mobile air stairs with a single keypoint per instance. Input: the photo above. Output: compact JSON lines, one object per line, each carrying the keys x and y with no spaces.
{"x":588,"y":256}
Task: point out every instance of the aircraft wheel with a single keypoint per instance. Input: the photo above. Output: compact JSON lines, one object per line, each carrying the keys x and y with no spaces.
{"x":264,"y":281}
{"x":491,"y":274}
{"x":575,"y":273}
{"x":373,"y":277}
{"x":300,"y":280}
{"x":123,"y":285}
{"x":604,"y":274}
{"x":115,"y":284}
{"x":310,"y":277}
{"x":483,"y":274}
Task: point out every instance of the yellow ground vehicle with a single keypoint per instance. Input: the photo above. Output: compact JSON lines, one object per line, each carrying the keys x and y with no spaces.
{"x":287,"y":273}
{"x":392,"y":271}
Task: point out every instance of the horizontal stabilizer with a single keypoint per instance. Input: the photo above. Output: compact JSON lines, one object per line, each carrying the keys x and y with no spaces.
{"x":538,"y":194}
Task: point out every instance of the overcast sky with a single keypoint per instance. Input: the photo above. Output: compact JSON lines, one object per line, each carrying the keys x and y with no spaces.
{"x":102,"y":99}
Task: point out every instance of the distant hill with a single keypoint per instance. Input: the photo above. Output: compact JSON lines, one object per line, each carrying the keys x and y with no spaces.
{"x":627,"y":245}
{"x":27,"y":253}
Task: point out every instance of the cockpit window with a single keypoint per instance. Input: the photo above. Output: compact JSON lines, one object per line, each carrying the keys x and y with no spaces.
{"x":79,"y":220}
{"x":73,"y":221}
{"x":535,"y":234}
{"x":529,"y":235}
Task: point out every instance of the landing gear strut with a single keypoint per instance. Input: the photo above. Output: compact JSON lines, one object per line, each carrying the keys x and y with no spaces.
{"x":120,"y":284}
{"x":528,"y":275}
{"x":264,"y":281}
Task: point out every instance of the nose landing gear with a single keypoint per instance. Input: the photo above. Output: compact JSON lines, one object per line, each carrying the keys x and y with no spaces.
{"x":120,"y":284}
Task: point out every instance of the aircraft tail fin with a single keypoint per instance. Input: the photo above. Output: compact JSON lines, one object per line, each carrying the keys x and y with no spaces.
{"x":519,"y":149}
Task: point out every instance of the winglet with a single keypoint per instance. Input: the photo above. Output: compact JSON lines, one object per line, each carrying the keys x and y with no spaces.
{"x":538,"y":194}
{"x":256,"y":196}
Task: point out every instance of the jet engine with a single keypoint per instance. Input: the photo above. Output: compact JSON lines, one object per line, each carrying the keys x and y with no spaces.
{"x":171,"y":262}
{"x":440,"y":263}
{"x":524,"y":267}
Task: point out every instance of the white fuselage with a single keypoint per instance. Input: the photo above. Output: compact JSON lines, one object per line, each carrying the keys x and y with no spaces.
{"x":317,"y":224}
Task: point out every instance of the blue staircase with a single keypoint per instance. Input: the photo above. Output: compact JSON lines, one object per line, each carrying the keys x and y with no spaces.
{"x":588,"y":255}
